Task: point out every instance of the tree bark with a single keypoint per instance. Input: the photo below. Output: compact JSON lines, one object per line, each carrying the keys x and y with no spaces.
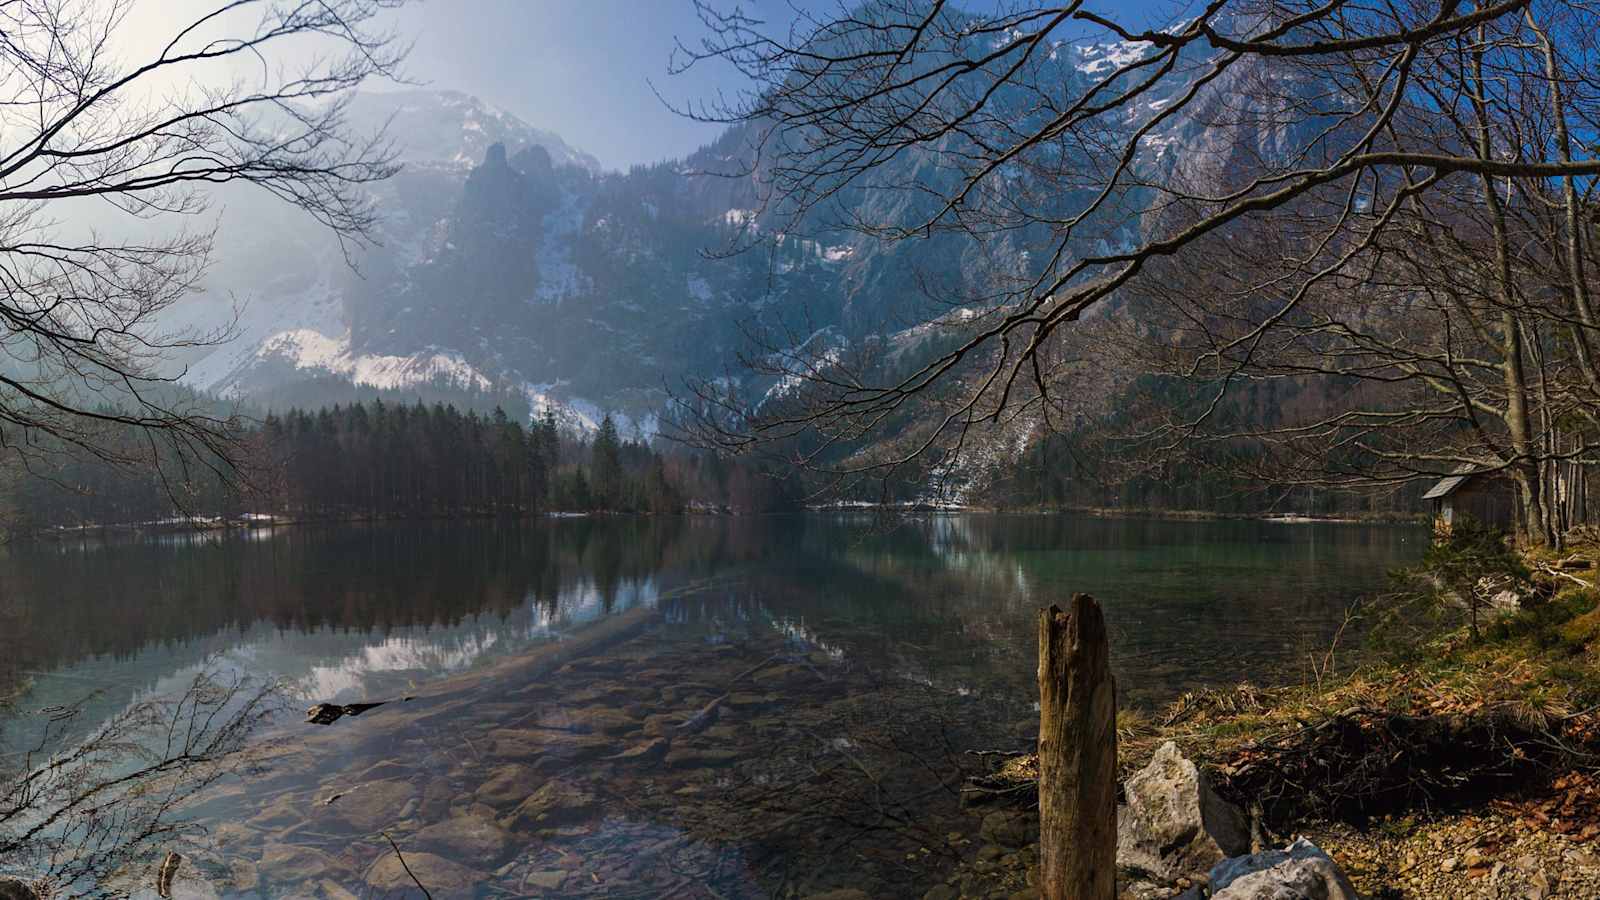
{"x":1077,"y":755}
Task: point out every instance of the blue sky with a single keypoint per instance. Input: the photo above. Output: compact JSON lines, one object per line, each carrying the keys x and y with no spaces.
{"x":582,"y":68}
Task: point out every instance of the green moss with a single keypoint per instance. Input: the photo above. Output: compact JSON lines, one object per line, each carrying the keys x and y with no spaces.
{"x":1584,"y":628}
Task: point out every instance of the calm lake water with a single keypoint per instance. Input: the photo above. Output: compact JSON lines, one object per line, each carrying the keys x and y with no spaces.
{"x":619,"y":707}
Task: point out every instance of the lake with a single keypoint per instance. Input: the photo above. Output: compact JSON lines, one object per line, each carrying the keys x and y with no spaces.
{"x":702,"y":707}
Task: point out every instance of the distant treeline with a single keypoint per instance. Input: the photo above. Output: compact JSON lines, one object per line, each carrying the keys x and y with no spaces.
{"x":376,"y":460}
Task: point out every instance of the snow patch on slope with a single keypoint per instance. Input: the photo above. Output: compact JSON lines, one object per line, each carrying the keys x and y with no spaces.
{"x":312,"y":350}
{"x":453,"y":130}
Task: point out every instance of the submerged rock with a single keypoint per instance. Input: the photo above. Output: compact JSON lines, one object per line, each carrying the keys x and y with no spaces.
{"x":546,"y":880}
{"x":662,"y":724}
{"x":556,"y":804}
{"x":1010,"y":828}
{"x":374,"y":805}
{"x":750,"y":700}
{"x":332,"y":890}
{"x":604,"y":720}
{"x":466,"y":837}
{"x":1300,"y":872}
{"x":697,"y":758}
{"x":280,"y":813}
{"x":649,"y":750}
{"x":536,"y":743}
{"x":292,"y":862}
{"x":437,"y":797}
{"x":506,"y":787}
{"x":1174,"y":824}
{"x":440,"y":876}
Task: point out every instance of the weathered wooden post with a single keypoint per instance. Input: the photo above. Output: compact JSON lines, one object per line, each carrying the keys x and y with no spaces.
{"x":1077,"y":755}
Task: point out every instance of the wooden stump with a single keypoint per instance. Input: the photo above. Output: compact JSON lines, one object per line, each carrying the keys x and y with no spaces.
{"x":1077,"y":755}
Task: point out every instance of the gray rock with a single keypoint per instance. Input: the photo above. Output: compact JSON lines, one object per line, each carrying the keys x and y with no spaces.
{"x":1300,"y":872}
{"x":1175,"y":825}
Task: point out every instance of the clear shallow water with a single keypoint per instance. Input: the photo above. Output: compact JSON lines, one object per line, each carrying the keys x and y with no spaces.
{"x":846,"y":671}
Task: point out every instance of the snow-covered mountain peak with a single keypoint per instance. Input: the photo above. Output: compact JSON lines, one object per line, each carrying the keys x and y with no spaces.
{"x":455,"y":130}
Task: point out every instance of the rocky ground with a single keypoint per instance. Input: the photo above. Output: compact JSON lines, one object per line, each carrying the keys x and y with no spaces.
{"x":1175,"y":834}
{"x":1491,"y":856}
{"x":1456,"y":857}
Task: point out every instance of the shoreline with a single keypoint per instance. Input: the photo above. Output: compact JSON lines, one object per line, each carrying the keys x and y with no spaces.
{"x":222,"y":525}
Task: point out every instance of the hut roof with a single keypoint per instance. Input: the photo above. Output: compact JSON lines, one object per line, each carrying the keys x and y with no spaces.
{"x":1445,"y":487}
{"x":1451,"y":483}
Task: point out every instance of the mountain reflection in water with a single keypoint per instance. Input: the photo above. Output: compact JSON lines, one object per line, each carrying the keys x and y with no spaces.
{"x":784,"y":703}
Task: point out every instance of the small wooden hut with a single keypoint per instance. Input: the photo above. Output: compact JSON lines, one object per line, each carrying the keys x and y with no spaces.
{"x":1485,"y":497}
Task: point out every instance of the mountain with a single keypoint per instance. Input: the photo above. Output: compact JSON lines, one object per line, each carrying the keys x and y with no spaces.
{"x":449,"y":129}
{"x":508,"y":260}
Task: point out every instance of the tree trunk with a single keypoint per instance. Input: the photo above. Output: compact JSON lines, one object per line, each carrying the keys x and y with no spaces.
{"x":1077,"y":755}
{"x":1524,"y":465}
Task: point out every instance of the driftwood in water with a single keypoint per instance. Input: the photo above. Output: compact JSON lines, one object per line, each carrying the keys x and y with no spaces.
{"x":329,"y":713}
{"x":1077,"y":755}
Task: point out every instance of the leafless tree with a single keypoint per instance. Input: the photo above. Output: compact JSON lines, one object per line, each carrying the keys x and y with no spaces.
{"x":1395,"y":200}
{"x":251,"y":92}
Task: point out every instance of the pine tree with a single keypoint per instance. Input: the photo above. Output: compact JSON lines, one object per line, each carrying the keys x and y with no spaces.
{"x":606,"y":465}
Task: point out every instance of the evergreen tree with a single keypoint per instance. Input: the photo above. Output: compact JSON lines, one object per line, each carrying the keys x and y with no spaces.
{"x":606,"y":466}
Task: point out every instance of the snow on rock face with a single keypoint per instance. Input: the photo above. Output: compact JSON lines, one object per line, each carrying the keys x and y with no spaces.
{"x":577,"y":414}
{"x":700,"y":289}
{"x":559,"y":277}
{"x":741,"y":218}
{"x":1100,"y":60}
{"x":312,"y":350}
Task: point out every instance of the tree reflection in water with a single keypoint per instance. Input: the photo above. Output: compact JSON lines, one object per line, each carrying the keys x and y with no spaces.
{"x":94,"y":819}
